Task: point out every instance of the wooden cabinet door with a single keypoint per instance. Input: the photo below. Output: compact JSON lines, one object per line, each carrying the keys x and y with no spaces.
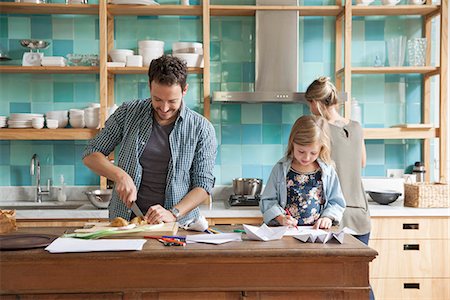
{"x":411,"y":288}
{"x":410,"y":228}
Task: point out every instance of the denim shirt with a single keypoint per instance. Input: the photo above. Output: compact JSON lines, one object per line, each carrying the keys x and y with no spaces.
{"x":274,"y":197}
{"x":193,"y":150}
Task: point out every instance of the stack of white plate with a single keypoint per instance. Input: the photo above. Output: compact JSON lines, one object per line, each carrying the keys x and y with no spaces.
{"x":60,"y":115}
{"x":22,"y":120}
{"x":92,"y":117}
{"x":76,"y":118}
{"x":2,"y":121}
{"x":150,"y":50}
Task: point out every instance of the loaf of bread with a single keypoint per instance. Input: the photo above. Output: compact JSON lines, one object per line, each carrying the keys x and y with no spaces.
{"x":119,"y":222}
{"x":7,"y":221}
{"x":138,"y":221}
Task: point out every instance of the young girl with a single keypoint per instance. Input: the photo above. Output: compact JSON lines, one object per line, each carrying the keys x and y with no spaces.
{"x":347,"y":151}
{"x":303,"y":188}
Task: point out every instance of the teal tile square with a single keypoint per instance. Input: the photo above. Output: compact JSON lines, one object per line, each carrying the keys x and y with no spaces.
{"x":84,"y":28}
{"x":230,"y":154}
{"x":251,"y":154}
{"x":125,"y":27}
{"x":41,"y":90}
{"x":20,"y":175}
{"x":19,"y":89}
{"x":231,"y":30}
{"x":374,"y":30}
{"x":191,"y":29}
{"x":251,"y":134}
{"x":272,"y":113}
{"x":83,"y":46}
{"x":215,"y":28}
{"x":236,"y":51}
{"x":231,"y":114}
{"x":215,"y":113}
{"x":19,"y":27}
{"x":217,"y":175}
{"x":271,"y":154}
{"x":41,"y":27}
{"x":251,"y":113}
{"x":231,"y":134}
{"x":413,"y":152}
{"x":64,"y":154}
{"x":373,"y":113}
{"x":16,"y":107}
{"x":291,"y":112}
{"x":248,"y":72}
{"x":41,"y":107}
{"x":62,"y":47}
{"x":231,"y":72}
{"x":215,"y":47}
{"x":252,"y":171}
{"x":63,"y":91}
{"x":374,"y":170}
{"x":229,"y":172}
{"x":3,"y":27}
{"x":266,"y":172}
{"x":4,"y":154}
{"x":394,"y":114}
{"x":84,"y":176}
{"x":63,"y":27}
{"x":85,"y":92}
{"x":375,"y":154}
{"x":169,"y":28}
{"x":285,"y":132}
{"x":395,"y":155}
{"x":67,"y":171}
{"x":143,"y":90}
{"x":5,"y":176}
{"x":272,"y":134}
{"x":216,"y":73}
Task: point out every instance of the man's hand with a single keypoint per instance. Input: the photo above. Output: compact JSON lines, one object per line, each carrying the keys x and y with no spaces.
{"x":126,"y":189}
{"x":323,"y":223}
{"x":157,"y":214}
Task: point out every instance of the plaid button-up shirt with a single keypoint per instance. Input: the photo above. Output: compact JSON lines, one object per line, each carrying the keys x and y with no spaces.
{"x":193,"y":150}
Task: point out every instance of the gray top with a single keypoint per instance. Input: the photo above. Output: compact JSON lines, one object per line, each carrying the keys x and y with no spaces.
{"x":155,"y":162}
{"x":346,"y":151}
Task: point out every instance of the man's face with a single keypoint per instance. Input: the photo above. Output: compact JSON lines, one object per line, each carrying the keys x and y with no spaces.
{"x":166,"y":101}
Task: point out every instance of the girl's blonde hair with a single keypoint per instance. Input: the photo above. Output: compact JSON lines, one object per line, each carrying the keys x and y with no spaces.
{"x":324,"y":93}
{"x":308,"y":130}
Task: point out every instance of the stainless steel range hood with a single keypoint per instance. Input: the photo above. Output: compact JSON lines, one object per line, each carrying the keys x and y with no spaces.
{"x":276,"y":58}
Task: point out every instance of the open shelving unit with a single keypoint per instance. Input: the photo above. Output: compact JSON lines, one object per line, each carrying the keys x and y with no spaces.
{"x":343,"y":11}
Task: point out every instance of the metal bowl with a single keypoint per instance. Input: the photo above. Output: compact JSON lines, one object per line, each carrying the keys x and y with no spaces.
{"x":247,"y":186}
{"x":384,"y":197}
{"x":99,"y":198}
{"x":34,"y":44}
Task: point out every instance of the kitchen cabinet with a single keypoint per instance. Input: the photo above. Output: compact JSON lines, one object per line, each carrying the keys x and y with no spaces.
{"x":344,"y":71}
{"x":344,"y":12}
{"x":413,"y":260}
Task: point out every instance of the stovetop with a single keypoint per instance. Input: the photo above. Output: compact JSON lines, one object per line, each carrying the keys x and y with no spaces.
{"x":244,"y":200}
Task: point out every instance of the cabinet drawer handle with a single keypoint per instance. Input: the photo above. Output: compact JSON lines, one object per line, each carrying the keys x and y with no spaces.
{"x":407,"y":226}
{"x":411,"y":286}
{"x":411,"y":247}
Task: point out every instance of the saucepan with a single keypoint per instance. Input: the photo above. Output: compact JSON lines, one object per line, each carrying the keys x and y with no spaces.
{"x":247,"y":186}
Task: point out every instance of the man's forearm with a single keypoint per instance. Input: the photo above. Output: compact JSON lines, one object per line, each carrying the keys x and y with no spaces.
{"x":101,"y":165}
{"x":192,"y":199}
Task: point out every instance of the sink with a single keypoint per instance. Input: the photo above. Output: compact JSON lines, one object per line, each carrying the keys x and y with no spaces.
{"x":28,"y":205}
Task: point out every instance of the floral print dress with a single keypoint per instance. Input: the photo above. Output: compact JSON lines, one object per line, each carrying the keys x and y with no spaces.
{"x":305,"y":196}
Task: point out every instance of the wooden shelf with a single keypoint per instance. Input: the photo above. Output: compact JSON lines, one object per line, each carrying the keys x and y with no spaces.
{"x":430,"y":70}
{"x":400,"y":133}
{"x":250,"y":10}
{"x":155,"y":10}
{"x":144,"y":70}
{"x":49,"y":70}
{"x":47,"y":134}
{"x":48,"y":8}
{"x":396,"y":10}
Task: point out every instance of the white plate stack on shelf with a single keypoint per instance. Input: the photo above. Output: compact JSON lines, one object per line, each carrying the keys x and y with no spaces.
{"x":92,"y":116}
{"x":150,"y":50}
{"x":22,"y":120}
{"x":191,"y":52}
{"x":53,"y":61}
{"x":76,"y":118}
{"x":60,"y":115}
{"x":2,"y":121}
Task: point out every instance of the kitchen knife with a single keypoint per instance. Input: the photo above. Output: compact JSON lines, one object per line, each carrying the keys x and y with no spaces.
{"x":137,"y":211}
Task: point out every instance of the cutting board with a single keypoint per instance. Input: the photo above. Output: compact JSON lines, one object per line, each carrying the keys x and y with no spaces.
{"x":152,"y":230}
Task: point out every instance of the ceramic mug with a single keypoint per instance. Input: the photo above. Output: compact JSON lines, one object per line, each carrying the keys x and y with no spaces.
{"x":390,"y":2}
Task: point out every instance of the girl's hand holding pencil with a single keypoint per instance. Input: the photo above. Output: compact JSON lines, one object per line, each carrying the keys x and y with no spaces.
{"x":287,"y":220}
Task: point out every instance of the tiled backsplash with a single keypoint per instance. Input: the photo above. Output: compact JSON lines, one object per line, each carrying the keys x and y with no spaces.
{"x":251,"y":137}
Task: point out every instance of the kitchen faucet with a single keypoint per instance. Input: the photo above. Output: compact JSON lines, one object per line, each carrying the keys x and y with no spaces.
{"x":39,"y":191}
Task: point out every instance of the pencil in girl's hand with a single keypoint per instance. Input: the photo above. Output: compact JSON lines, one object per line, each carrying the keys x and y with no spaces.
{"x":289,"y":214}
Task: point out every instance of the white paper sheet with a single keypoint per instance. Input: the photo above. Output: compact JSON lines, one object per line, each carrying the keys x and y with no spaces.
{"x":264,"y":232}
{"x":319,"y":236}
{"x":291,"y":231}
{"x":64,"y":245}
{"x":213,"y":238}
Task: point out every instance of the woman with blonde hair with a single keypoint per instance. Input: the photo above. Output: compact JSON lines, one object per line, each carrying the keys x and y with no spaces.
{"x":347,"y":151}
{"x":303,"y":188}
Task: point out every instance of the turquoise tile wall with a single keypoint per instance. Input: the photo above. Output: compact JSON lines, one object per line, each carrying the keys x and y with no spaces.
{"x":251,"y":137}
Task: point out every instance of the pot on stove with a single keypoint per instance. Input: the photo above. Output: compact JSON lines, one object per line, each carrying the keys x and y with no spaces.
{"x":247,"y":186}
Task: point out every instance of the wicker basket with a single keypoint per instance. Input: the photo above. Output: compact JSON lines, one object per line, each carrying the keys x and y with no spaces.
{"x":426,"y":194}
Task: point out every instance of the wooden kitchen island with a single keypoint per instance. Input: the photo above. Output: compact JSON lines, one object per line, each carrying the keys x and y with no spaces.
{"x":283,"y":269}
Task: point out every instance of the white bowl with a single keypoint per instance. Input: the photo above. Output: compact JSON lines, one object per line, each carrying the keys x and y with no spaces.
{"x":134,"y":61}
{"x":52,"y":124}
{"x":38,"y":125}
{"x":120,"y":55}
{"x":92,"y":122}
{"x":187,"y":47}
{"x":191,"y":59}
{"x":151,"y":44}
{"x":77,"y":122}
{"x":149,"y":54}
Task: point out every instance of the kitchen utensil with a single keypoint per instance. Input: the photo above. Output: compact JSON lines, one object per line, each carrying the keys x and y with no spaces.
{"x":247,"y":186}
{"x":384,"y":197}
{"x":99,"y":198}
{"x":4,"y":55}
{"x":33,"y":58}
{"x":419,"y":171}
{"x":417,"y":48}
{"x":25,"y":241}
{"x":396,"y":48}
{"x":136,"y":210}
